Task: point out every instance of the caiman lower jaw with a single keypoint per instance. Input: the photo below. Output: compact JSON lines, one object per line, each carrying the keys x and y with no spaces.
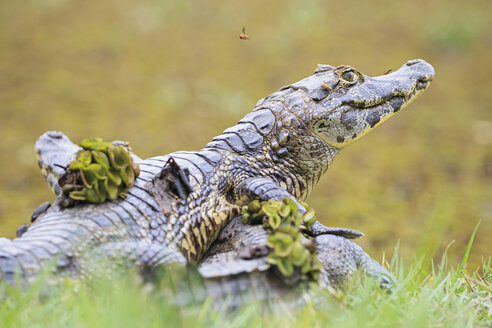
{"x":397,"y":102}
{"x":420,"y":87}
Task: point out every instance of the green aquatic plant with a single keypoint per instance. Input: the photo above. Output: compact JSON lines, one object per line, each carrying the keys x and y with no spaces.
{"x":100,"y":171}
{"x":291,"y":252}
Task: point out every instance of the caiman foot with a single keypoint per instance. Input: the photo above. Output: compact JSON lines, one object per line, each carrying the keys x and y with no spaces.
{"x":319,"y":229}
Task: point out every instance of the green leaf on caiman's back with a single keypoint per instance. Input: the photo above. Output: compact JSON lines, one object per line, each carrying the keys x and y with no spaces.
{"x":101,"y":171}
{"x":290,"y":250}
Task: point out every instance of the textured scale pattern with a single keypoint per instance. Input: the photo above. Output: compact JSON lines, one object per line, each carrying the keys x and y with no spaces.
{"x":279,"y":150}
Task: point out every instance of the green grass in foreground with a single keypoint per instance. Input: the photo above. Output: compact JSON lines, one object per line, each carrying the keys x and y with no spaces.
{"x":441,"y":298}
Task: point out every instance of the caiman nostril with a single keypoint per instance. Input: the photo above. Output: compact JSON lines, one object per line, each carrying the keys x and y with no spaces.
{"x":413,"y":62}
{"x":55,"y":134}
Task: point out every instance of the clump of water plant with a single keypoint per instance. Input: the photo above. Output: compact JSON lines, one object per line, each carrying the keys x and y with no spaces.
{"x":100,"y":171}
{"x":291,"y":253}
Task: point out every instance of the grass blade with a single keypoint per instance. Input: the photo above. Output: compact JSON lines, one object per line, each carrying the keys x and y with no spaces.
{"x":467,"y":252}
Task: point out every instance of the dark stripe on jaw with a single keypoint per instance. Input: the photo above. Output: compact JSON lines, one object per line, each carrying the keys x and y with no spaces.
{"x":373,"y":118}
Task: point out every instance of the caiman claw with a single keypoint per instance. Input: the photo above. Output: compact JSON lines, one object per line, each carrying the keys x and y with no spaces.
{"x":319,"y":229}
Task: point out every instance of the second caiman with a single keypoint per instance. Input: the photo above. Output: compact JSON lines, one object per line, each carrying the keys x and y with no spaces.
{"x":279,"y":150}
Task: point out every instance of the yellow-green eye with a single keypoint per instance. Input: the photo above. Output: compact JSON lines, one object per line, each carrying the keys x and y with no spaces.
{"x":349,"y":76}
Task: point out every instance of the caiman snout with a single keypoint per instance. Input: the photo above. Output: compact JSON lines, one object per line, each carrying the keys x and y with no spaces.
{"x":424,"y":70}
{"x":359,"y":107}
{"x":420,"y":70}
{"x":410,"y":79}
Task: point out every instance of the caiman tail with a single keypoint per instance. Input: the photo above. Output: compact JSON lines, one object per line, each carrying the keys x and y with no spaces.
{"x":69,"y":238}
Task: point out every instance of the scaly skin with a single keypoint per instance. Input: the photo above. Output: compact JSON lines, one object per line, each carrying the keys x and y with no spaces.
{"x":278,"y":150}
{"x":236,"y":263}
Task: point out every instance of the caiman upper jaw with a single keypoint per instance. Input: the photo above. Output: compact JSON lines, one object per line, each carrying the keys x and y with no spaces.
{"x":423,"y":67}
{"x":420,"y":71}
{"x":409,"y":80}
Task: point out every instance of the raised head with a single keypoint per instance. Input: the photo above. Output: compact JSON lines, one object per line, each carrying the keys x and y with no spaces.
{"x":295,"y":133}
{"x":311,"y":120}
{"x":348,"y":104}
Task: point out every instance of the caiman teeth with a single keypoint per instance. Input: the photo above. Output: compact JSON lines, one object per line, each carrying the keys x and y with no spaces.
{"x":421,"y":85}
{"x":396,"y":102}
{"x":419,"y":88}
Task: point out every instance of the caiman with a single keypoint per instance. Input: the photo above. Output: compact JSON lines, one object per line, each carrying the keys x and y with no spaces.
{"x":279,"y":150}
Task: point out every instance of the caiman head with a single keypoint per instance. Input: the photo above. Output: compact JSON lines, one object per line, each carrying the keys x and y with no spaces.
{"x":321,"y":114}
{"x":349,"y":104}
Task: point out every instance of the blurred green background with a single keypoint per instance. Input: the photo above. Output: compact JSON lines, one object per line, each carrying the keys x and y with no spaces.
{"x":169,"y":75}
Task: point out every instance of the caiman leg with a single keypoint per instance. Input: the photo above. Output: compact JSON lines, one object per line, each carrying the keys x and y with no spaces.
{"x":340,"y":258}
{"x":237,"y":255}
{"x":266,"y":189}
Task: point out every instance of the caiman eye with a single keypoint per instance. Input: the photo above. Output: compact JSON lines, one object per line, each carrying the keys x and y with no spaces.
{"x":349,"y":76}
